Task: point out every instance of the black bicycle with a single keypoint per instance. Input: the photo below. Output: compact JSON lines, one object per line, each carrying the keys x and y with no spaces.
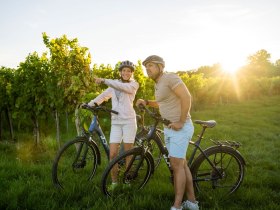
{"x":76,"y":162}
{"x":141,"y":138}
{"x":217,"y":171}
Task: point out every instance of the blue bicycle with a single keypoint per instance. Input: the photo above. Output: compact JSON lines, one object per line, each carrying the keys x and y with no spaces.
{"x":76,"y":162}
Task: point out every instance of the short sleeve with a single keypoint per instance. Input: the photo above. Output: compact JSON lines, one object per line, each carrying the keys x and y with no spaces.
{"x":174,"y":80}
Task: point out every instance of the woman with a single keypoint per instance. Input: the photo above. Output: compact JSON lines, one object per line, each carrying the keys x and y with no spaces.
{"x":123,"y":126}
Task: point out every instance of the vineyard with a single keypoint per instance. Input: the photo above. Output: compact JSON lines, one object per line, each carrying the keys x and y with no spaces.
{"x":49,"y":87}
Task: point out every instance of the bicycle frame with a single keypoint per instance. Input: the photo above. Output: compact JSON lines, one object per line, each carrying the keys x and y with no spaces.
{"x":164,"y":151}
{"x":152,"y":134}
{"x":96,"y":128}
{"x":196,"y":144}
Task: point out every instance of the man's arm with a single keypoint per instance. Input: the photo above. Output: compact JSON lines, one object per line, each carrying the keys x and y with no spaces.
{"x":182,"y":92}
{"x":151,"y":103}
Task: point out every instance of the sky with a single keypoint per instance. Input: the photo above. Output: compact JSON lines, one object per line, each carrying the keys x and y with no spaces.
{"x":188,"y":34}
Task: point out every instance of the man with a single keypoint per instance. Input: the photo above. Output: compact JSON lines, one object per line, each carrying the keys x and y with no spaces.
{"x":174,"y":102}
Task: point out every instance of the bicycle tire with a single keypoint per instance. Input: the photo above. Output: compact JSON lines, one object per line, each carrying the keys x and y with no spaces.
{"x":134,"y":178}
{"x":153,"y":147}
{"x":229,"y":163}
{"x":70,"y":170}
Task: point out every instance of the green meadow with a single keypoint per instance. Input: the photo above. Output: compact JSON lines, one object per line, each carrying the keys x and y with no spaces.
{"x":25,"y":170}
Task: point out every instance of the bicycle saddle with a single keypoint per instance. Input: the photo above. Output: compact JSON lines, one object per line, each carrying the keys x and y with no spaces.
{"x":208,"y":123}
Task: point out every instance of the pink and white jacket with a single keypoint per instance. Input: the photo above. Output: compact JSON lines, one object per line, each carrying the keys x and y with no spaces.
{"x":123,"y":95}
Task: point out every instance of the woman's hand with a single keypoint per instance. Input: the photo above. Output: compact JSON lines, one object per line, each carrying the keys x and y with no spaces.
{"x":99,"y":80}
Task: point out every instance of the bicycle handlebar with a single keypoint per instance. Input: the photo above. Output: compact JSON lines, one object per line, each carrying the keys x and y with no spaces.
{"x":97,"y":108}
{"x":155,"y":115}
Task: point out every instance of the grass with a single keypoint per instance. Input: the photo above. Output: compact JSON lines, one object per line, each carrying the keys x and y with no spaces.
{"x":25,"y":171}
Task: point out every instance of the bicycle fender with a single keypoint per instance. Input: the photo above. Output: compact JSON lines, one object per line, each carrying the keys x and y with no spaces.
{"x":230,"y":148}
{"x":94,"y":145}
{"x":151,"y":159}
{"x":241,"y":157}
{"x":158,"y":140}
{"x":139,"y":150}
{"x":146,"y":153}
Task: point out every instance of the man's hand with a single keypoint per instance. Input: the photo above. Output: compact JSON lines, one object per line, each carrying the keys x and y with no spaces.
{"x":176,"y":126}
{"x":140,"y":101}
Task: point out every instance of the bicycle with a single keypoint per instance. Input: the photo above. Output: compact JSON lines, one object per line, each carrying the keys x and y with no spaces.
{"x":77,"y":160}
{"x":141,"y":137}
{"x":217,"y":171}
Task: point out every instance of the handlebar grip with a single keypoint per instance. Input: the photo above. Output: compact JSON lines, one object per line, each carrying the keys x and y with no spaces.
{"x":166,"y":122}
{"x":141,"y":106}
{"x":83,"y":105}
{"x":115,"y":112}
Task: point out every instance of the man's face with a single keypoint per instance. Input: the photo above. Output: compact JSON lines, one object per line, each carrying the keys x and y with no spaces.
{"x":153,"y":70}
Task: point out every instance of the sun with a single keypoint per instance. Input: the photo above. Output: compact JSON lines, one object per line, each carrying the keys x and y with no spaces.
{"x":230,"y":67}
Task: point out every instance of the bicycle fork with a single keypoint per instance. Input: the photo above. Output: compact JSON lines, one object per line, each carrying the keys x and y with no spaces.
{"x":80,"y":163}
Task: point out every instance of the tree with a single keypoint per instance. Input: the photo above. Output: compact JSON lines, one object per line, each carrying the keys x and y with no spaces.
{"x":194,"y":83}
{"x":6,"y":98}
{"x":259,"y":65}
{"x":30,"y":88}
{"x":140,"y":78}
{"x":210,"y":71}
{"x":70,"y":74}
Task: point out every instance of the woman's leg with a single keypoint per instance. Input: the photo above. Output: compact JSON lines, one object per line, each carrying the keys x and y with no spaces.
{"x":114,"y":150}
{"x":127,"y":146}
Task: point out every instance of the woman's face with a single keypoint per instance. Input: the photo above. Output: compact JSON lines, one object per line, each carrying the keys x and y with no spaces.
{"x":126,"y":73}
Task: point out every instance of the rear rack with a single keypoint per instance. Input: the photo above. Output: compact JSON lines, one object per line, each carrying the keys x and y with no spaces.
{"x":234,"y":144}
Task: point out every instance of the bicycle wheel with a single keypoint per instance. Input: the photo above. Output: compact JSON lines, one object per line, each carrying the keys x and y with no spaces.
{"x":218,"y":184}
{"x":153,"y":146}
{"x":130,"y":178}
{"x":75,"y":163}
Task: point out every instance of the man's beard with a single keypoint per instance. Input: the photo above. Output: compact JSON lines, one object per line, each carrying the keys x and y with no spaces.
{"x":155,"y":77}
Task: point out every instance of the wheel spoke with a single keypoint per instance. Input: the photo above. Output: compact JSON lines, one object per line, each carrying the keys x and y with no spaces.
{"x":130,"y":178}
{"x":74,"y":165}
{"x":224,"y":179}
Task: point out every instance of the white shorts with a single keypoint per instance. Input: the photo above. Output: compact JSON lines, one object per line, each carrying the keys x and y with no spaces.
{"x":125,"y":132}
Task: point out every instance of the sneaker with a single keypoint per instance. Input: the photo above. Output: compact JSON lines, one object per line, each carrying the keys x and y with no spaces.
{"x":126,"y":186}
{"x":112,"y":186}
{"x":174,"y":208}
{"x":190,"y":205}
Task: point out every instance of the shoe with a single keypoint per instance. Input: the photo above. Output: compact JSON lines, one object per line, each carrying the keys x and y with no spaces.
{"x":126,"y":186}
{"x":112,"y":186}
{"x":190,"y":205}
{"x":174,"y":208}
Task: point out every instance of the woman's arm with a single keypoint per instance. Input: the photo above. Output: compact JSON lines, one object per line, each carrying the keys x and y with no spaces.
{"x":129,"y":87}
{"x":104,"y":96}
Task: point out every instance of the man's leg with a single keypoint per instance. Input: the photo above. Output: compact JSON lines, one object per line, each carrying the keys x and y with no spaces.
{"x":189,"y":183}
{"x":179,"y":174}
